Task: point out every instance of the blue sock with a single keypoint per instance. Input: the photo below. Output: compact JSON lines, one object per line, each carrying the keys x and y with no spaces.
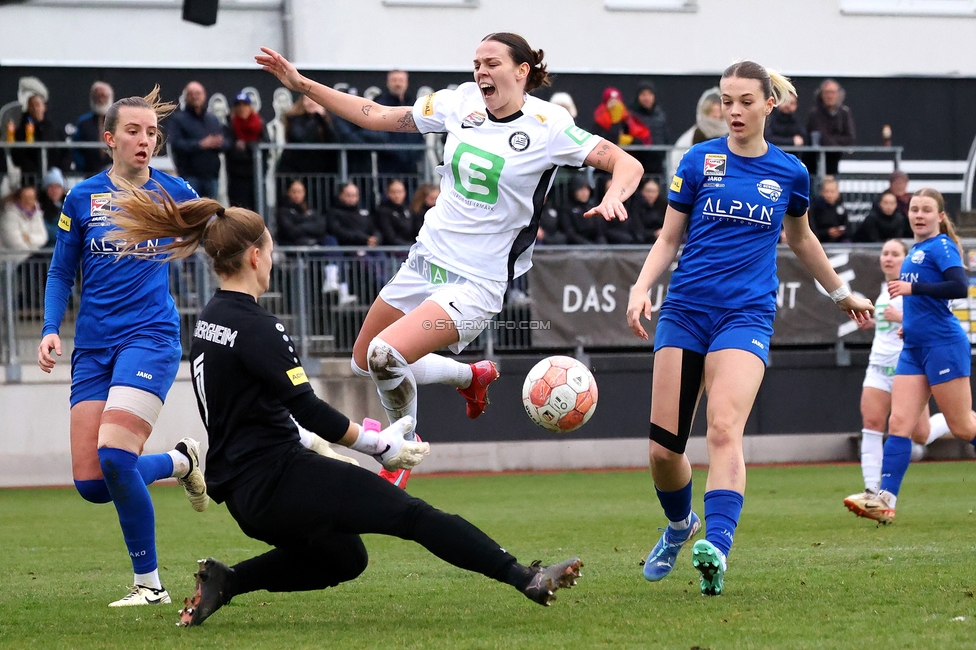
{"x":677,"y":504}
{"x":722,"y":510}
{"x":154,"y":467}
{"x":897,"y":456}
{"x":93,"y":490}
{"x":135,"y":508}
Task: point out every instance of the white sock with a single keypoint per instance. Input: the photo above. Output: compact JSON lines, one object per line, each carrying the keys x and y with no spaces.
{"x":888,"y":498}
{"x":436,"y":369}
{"x":872,"y":453}
{"x":181,"y":464}
{"x":394,"y":381}
{"x":938,"y":428}
{"x":684,"y":524}
{"x":150,"y":579}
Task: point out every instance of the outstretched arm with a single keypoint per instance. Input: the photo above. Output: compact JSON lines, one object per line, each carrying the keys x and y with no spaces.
{"x":357,"y":110}
{"x":807,"y":248}
{"x":625,"y":174}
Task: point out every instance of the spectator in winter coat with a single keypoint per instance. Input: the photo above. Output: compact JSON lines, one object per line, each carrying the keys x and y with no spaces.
{"x":350,"y":224}
{"x":898,"y":185}
{"x":297,"y":224}
{"x":398,"y":93}
{"x":22,"y":223}
{"x":246,"y":128}
{"x":360,"y":161}
{"x":52,"y":200}
{"x":197,"y":138}
{"x":783,"y":127}
{"x":394,"y":218}
{"x":646,"y":211}
{"x":36,"y":127}
{"x":832,"y":119}
{"x":89,"y":128}
{"x":614,"y":123}
{"x":306,"y":122}
{"x":884,"y":222}
{"x":423,"y":200}
{"x":647,"y":110}
{"x":828,"y":216}
{"x":579,"y":229}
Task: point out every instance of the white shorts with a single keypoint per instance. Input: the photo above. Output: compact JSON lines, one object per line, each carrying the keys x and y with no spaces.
{"x":880,"y":377}
{"x":471,"y":302}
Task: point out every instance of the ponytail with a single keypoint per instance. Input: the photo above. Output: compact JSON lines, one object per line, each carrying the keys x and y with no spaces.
{"x":521,"y":53}
{"x":773,"y":83}
{"x":139,"y":215}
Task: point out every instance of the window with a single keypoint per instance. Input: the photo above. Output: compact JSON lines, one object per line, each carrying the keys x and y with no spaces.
{"x":651,"y":5}
{"x":909,"y":7}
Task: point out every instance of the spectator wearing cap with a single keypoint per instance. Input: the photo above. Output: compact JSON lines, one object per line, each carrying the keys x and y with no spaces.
{"x":246,"y":128}
{"x":614,"y":123}
{"x":898,"y":185}
{"x":398,"y":93}
{"x":197,"y":139}
{"x":89,"y":128}
{"x":52,"y":200}
{"x":647,"y":110}
{"x":360,"y":162}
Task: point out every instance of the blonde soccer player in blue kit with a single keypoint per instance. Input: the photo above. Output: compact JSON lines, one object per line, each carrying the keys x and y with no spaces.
{"x":733,"y":195}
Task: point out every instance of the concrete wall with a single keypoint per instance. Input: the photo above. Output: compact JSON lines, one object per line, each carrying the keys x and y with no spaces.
{"x":801,"y":38}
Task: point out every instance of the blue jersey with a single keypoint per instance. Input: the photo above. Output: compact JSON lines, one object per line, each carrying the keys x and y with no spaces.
{"x":119,"y":296}
{"x":735,"y":207}
{"x":928,"y":321}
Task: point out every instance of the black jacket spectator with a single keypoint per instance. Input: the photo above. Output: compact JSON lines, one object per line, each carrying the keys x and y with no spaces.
{"x":880,"y":227}
{"x":350,"y":225}
{"x":579,"y":229}
{"x":648,"y":219}
{"x":29,"y":160}
{"x":832,"y":119}
{"x":824,"y":216}
{"x":300,"y":226}
{"x":549,"y":233}
{"x":782,"y":128}
{"x":307,"y":127}
{"x":402,"y":161}
{"x":647,"y":110}
{"x":89,"y":128}
{"x":395,"y":223}
{"x":186,"y":129}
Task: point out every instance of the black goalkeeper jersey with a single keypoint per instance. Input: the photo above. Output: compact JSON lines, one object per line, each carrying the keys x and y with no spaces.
{"x":244,"y":367}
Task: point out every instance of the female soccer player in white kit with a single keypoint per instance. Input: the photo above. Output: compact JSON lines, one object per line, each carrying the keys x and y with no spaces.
{"x":502,"y":150}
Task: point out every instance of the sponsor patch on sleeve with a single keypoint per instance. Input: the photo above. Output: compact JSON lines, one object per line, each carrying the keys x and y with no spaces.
{"x":578,"y":135}
{"x":297,"y":376}
{"x":429,"y":105}
{"x":676,"y":183}
{"x":64,"y":222}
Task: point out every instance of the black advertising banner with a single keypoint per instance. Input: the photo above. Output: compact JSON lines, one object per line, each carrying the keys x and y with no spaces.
{"x":581,"y":297}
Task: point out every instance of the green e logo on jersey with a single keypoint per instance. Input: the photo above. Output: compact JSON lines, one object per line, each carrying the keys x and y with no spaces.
{"x":476,"y":173}
{"x":578,"y":135}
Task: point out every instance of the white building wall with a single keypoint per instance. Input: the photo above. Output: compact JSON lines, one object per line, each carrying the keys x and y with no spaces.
{"x":811,"y":37}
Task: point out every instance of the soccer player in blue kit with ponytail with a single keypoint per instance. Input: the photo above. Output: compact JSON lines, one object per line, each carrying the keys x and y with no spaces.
{"x":937,"y":358}
{"x":127,"y":343}
{"x":733,"y":195}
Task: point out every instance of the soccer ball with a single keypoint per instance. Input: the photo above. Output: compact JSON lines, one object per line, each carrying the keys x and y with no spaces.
{"x":559,"y":394}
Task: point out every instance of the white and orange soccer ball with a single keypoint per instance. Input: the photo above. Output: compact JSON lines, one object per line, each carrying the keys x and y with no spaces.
{"x":559,"y":394}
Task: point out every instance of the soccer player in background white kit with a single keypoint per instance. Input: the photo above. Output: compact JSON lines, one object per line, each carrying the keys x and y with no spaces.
{"x":876,"y":391}
{"x":502,"y":150}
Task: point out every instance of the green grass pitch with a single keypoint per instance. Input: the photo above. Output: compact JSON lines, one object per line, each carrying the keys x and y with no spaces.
{"x":804,"y":573}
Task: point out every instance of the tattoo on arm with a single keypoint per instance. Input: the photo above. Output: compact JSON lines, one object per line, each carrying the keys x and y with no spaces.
{"x":406,"y":122}
{"x":308,"y":88}
{"x":603,"y":150}
{"x":366,"y":108}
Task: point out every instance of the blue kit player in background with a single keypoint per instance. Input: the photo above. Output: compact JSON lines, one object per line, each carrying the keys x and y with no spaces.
{"x":127,"y":344}
{"x":937,"y":358}
{"x":733,"y":195}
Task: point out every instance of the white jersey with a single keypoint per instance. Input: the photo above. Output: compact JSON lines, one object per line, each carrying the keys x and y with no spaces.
{"x":887,"y":344}
{"x":495,"y":176}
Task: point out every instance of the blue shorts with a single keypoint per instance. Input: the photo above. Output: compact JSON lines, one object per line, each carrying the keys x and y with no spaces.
{"x":707,"y":329}
{"x":939,"y":364}
{"x":145,"y":363}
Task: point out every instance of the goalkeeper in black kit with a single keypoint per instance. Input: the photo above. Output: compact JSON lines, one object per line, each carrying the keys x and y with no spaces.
{"x":249,"y":383}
